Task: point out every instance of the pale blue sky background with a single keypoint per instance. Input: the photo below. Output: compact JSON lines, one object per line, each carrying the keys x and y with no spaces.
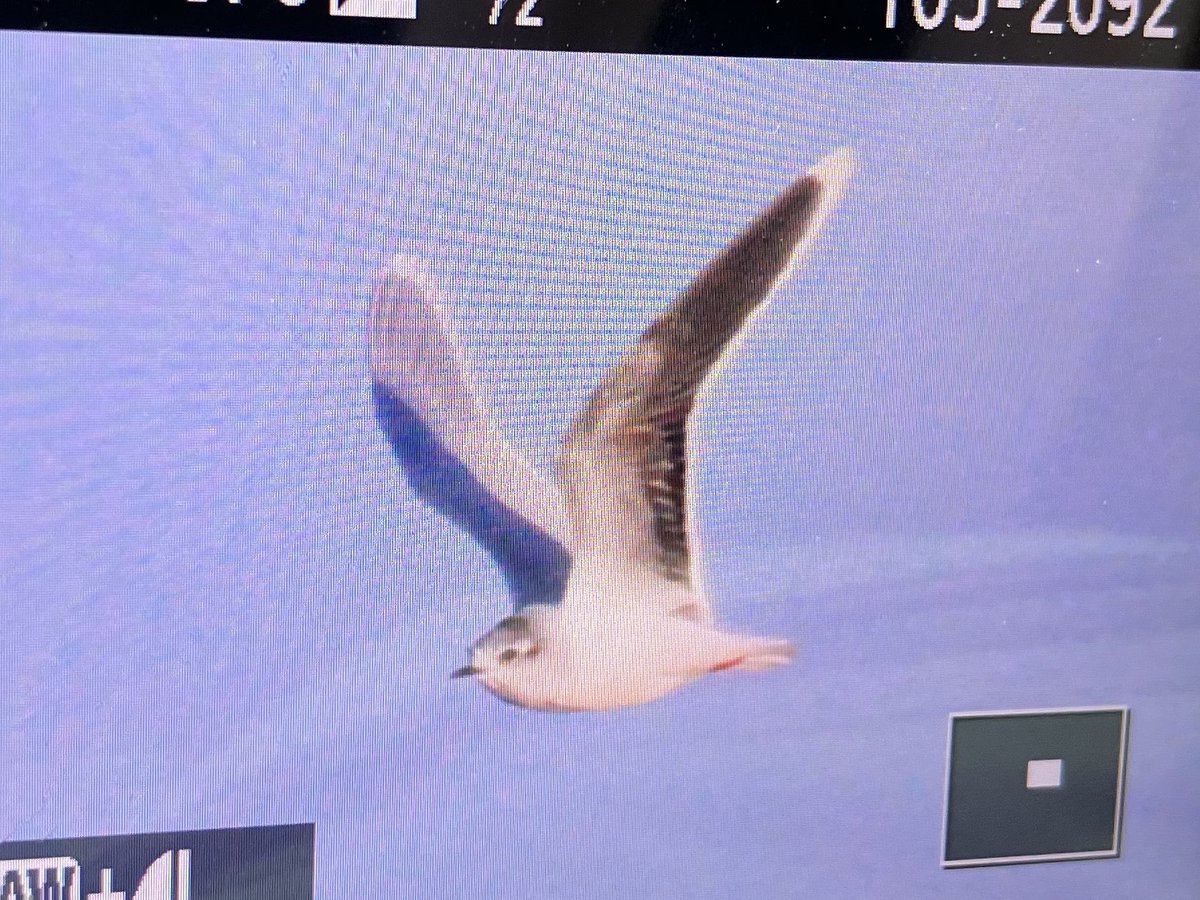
{"x":957,"y":460}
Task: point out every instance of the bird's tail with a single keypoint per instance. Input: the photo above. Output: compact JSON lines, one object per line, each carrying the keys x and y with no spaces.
{"x":754,"y":654}
{"x":767,"y":653}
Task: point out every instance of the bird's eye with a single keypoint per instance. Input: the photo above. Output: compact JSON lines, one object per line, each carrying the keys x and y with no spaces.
{"x":507,"y":655}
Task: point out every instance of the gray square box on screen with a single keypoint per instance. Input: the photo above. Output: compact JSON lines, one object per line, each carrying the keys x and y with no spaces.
{"x":1034,"y":785}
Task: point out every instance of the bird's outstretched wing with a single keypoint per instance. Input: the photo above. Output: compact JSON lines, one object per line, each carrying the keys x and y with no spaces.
{"x":455,"y":458}
{"x":624,"y":462}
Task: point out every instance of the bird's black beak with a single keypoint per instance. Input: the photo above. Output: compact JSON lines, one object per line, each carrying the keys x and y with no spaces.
{"x":464,"y":671}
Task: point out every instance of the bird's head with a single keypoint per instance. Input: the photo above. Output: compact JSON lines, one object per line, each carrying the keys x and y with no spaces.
{"x":508,"y":658}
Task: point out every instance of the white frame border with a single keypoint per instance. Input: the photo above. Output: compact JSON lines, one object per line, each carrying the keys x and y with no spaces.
{"x":1109,"y":853}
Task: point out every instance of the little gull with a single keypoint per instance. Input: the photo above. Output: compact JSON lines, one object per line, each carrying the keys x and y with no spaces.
{"x":601,"y":559}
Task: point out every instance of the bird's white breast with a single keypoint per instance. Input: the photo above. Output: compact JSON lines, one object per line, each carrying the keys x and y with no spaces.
{"x":614,"y":643}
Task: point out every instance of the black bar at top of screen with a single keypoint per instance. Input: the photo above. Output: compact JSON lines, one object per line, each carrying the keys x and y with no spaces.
{"x":1158,"y":34}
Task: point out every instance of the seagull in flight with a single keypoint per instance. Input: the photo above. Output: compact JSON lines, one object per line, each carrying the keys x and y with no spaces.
{"x":601,"y":555}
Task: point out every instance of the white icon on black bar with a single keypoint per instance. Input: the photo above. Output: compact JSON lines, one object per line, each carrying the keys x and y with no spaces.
{"x":525,"y":17}
{"x":167,"y":878}
{"x":374,"y":9}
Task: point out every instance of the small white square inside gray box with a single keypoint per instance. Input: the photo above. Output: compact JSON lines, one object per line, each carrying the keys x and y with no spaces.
{"x":1044,"y":773}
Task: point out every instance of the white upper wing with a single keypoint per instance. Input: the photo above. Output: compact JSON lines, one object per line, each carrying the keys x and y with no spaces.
{"x":454,"y":456}
{"x":624,"y":462}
